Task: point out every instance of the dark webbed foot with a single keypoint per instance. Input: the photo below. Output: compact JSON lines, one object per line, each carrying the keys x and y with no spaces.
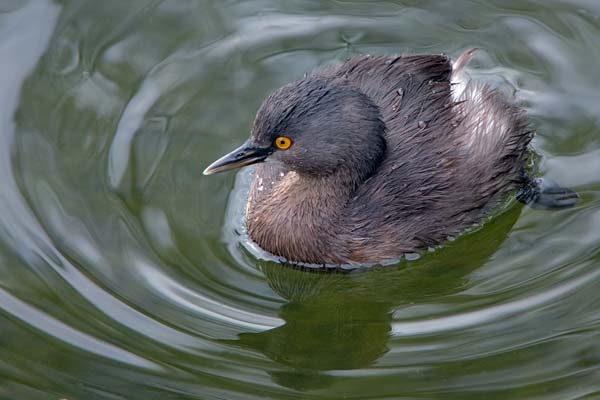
{"x":545,"y":194}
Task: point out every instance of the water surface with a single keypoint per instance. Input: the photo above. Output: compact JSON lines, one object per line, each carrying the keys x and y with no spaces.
{"x":123,"y":272}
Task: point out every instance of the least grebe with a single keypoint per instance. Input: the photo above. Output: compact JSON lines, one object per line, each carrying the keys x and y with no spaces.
{"x":381,"y":156}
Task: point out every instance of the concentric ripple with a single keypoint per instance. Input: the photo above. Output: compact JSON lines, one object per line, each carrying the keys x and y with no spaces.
{"x":125,"y":274}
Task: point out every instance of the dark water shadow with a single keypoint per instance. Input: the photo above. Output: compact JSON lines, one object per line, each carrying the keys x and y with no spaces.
{"x":343,"y":321}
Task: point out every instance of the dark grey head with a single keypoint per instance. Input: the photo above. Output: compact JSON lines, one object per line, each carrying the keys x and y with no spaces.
{"x":315,"y":127}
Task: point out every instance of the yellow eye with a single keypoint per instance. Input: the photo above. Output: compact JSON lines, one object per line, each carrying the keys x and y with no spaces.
{"x":283,"y":142}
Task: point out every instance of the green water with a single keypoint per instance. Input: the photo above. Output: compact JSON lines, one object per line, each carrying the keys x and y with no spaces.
{"x":123,"y":272}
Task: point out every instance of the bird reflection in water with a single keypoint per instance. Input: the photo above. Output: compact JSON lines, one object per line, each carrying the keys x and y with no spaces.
{"x":348,"y":316}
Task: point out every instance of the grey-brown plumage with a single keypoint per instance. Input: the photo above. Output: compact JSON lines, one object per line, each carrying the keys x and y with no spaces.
{"x":389,"y":155}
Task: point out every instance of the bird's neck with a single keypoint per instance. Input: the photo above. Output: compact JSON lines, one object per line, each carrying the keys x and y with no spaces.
{"x":302,"y":217}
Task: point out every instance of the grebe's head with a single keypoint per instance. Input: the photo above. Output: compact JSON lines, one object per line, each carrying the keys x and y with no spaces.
{"x":316,"y":127}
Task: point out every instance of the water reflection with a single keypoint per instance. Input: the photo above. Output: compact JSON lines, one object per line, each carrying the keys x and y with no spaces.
{"x":344,"y":322}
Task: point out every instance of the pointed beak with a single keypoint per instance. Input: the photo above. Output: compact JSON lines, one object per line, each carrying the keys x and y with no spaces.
{"x":244,"y":155}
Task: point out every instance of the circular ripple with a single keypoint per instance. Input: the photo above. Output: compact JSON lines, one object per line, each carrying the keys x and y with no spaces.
{"x":126,"y":274}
